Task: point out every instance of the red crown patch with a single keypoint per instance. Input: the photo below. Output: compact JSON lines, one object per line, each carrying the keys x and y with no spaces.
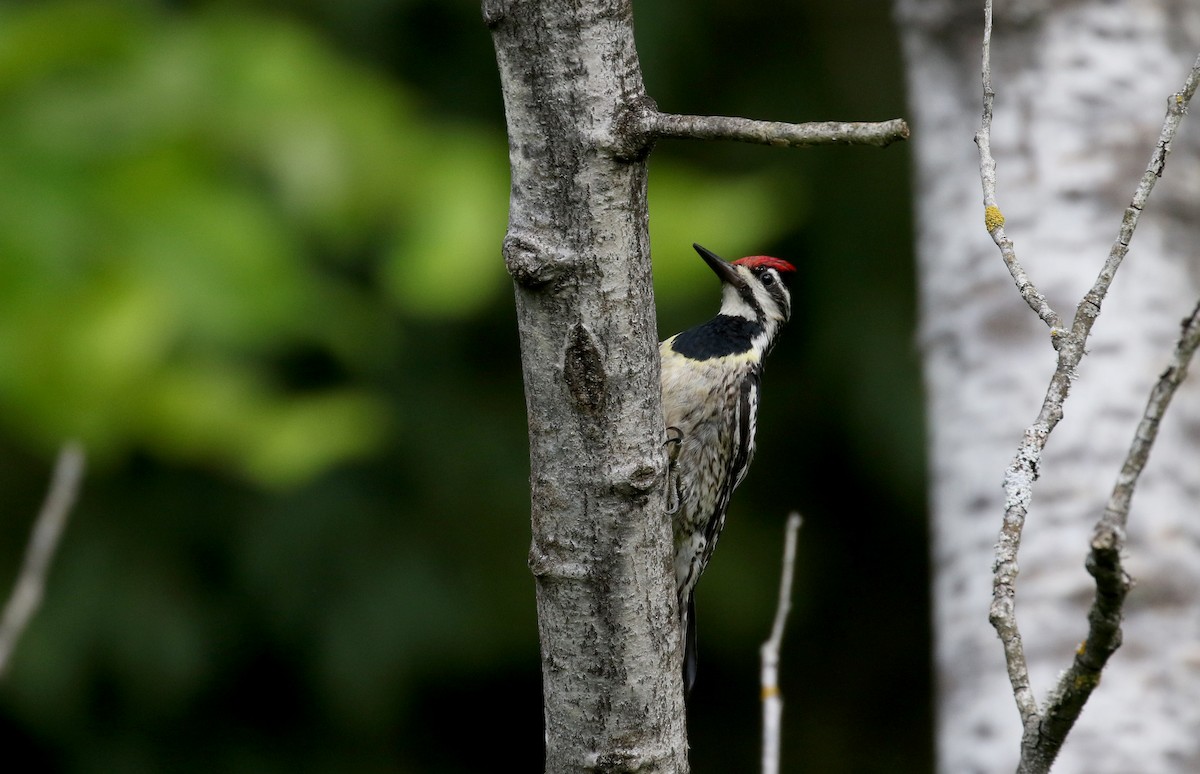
{"x":764,"y":261}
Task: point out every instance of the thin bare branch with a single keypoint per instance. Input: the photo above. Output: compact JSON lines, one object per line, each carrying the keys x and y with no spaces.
{"x":769,"y":653}
{"x":1116,"y":514}
{"x":1022,"y":472}
{"x":658,"y":125}
{"x":47,"y":531}
{"x":992,"y":216}
{"x":1089,"y":306}
{"x":1018,"y":491}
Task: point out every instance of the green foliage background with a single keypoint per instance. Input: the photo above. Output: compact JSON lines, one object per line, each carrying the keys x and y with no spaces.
{"x":249,"y":255}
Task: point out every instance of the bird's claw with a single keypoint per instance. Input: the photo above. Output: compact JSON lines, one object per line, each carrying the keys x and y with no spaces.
{"x":674,"y":441}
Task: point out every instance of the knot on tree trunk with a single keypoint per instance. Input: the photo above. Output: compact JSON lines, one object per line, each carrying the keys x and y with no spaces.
{"x":583,"y":370}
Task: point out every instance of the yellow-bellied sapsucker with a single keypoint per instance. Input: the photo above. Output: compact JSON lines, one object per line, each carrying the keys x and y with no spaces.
{"x":710,"y":389}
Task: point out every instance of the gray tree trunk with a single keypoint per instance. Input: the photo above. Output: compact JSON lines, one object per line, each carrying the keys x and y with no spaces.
{"x":578,"y":251}
{"x":1081,"y":91}
{"x":580,"y":127}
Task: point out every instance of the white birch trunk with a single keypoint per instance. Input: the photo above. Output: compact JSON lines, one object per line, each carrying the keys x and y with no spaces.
{"x":1080,"y":96}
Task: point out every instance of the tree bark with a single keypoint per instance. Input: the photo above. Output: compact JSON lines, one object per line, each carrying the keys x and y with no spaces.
{"x":1080,"y":92}
{"x":578,"y":251}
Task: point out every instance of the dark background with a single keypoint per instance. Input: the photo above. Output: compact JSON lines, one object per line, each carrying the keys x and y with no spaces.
{"x":249,"y":255}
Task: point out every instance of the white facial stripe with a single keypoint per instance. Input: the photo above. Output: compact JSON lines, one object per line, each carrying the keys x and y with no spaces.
{"x":771,"y":306}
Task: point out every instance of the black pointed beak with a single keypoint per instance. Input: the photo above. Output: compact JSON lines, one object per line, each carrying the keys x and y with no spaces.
{"x":724,"y":270}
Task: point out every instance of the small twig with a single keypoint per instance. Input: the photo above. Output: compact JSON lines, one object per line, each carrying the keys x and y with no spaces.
{"x":663,"y":125}
{"x":1116,"y":514}
{"x":992,"y":217}
{"x":47,"y":530}
{"x":769,"y":653}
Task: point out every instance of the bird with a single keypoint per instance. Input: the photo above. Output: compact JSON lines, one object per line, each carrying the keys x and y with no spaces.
{"x":711,"y":378}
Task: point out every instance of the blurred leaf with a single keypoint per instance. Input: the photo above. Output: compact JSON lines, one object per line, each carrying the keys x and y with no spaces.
{"x":176,"y":191}
{"x":447,"y":261}
{"x":206,"y":411}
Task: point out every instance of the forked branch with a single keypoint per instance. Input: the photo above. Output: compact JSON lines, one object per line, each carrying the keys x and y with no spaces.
{"x":1045,"y":730}
{"x":1104,"y":562}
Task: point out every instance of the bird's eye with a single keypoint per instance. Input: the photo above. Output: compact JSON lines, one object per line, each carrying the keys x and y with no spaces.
{"x":768,"y":279}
